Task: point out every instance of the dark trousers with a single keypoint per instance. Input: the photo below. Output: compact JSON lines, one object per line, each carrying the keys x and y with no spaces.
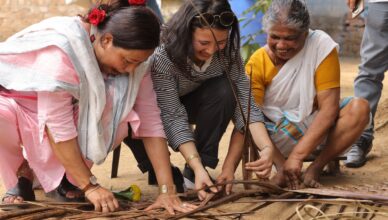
{"x":210,"y":108}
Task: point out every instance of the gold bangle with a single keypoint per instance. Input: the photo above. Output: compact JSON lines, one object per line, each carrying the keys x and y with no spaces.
{"x":191,"y":157}
{"x":167,"y":189}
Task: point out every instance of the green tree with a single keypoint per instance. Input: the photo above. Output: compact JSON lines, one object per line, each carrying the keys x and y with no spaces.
{"x":250,"y":46}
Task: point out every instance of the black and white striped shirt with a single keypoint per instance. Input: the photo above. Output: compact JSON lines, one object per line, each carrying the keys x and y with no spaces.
{"x":170,"y":84}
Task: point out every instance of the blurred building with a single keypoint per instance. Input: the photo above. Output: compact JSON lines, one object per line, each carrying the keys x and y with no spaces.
{"x":18,"y":14}
{"x":333,"y":17}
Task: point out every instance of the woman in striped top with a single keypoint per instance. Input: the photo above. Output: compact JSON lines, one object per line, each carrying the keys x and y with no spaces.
{"x":192,"y":87}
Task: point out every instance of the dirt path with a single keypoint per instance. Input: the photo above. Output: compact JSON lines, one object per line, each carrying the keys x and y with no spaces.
{"x":373,"y":172}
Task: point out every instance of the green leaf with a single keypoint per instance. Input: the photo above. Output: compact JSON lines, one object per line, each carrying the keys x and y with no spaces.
{"x":132,"y":193}
{"x":249,"y":47}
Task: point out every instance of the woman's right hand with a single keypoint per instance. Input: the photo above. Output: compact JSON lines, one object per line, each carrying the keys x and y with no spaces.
{"x":102,"y":199}
{"x":263,"y":166}
{"x":202,"y":179}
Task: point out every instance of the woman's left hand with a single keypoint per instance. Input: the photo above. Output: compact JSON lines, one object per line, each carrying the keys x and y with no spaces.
{"x":263,"y":166}
{"x":171,"y":203}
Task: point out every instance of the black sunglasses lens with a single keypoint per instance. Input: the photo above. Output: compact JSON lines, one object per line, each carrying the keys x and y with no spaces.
{"x":227,"y":18}
{"x":206,"y":19}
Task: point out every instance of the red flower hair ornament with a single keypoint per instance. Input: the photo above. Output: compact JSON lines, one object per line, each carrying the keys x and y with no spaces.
{"x":137,"y":2}
{"x":96,"y":16}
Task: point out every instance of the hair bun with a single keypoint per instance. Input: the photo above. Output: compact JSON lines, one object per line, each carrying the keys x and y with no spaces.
{"x":137,"y":2}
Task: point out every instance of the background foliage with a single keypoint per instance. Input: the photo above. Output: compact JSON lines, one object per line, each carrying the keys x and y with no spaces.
{"x":252,"y":13}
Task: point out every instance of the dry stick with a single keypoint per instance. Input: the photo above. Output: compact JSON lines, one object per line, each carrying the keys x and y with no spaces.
{"x":129,"y":217}
{"x":301,"y":207}
{"x":323,"y":208}
{"x":374,"y":213}
{"x":47,"y":214}
{"x":247,"y":155}
{"x":305,"y":200}
{"x":365,"y":215}
{"x":341,"y":194}
{"x":59,"y":207}
{"x":18,"y":213}
{"x":66,"y":203}
{"x":100,"y":214}
{"x":254,"y":208}
{"x":209,"y":196}
{"x":12,"y":205}
{"x":340,"y":211}
{"x":282,"y":196}
{"x":251,"y":152}
{"x":222,"y":200}
{"x":358,"y":209}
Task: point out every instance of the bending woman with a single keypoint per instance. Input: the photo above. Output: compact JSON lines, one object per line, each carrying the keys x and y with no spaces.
{"x":193,"y":88}
{"x":69,"y":87}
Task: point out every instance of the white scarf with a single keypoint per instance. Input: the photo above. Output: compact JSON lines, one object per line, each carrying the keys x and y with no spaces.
{"x":68,"y":34}
{"x":292,"y":91}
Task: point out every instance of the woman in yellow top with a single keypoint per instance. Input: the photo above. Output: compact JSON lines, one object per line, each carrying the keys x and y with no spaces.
{"x":296,"y":81}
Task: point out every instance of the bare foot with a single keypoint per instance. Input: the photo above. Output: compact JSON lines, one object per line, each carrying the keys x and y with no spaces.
{"x":311,"y":177}
{"x":23,"y":189}
{"x":11,"y":199}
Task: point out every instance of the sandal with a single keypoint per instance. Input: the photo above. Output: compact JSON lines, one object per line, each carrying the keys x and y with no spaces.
{"x":22,"y":189}
{"x":67,"y":192}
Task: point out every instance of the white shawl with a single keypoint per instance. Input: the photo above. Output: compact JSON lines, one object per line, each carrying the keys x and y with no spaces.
{"x":68,"y":34}
{"x":292,"y":91}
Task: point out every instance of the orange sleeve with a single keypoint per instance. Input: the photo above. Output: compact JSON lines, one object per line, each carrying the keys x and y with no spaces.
{"x":327,"y":75}
{"x":255,"y":65}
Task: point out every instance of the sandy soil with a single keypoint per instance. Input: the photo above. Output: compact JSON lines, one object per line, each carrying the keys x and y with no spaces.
{"x":373,"y":172}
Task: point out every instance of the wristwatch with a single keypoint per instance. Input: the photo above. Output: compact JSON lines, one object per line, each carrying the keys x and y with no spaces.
{"x":92,"y":183}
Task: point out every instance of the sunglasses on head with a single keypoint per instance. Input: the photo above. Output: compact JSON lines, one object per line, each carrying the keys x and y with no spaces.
{"x":226,"y":19}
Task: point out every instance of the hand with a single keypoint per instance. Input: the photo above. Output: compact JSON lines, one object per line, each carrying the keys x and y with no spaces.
{"x":102,"y":199}
{"x":226,"y":175}
{"x":293,"y":172}
{"x":171,"y":202}
{"x":202,"y":179}
{"x":263,"y":166}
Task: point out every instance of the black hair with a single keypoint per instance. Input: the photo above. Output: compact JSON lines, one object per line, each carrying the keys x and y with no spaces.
{"x":132,"y":27}
{"x":177,"y":34}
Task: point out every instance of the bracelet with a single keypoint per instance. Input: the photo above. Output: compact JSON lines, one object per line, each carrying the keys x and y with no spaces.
{"x":191,"y":157}
{"x":92,"y":190}
{"x":167,"y":189}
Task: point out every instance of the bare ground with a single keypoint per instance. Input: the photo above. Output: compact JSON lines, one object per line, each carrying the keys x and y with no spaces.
{"x":374,"y":172}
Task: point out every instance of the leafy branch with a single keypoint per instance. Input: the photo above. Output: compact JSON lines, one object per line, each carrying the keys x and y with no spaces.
{"x":250,"y":46}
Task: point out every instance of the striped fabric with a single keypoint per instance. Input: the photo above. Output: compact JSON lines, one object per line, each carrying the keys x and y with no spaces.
{"x":170,"y":84}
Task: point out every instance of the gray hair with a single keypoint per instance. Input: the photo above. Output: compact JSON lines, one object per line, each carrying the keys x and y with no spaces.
{"x":291,"y":13}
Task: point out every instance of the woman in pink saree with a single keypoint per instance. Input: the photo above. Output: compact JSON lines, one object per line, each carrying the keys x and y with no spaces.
{"x":70,"y":87}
